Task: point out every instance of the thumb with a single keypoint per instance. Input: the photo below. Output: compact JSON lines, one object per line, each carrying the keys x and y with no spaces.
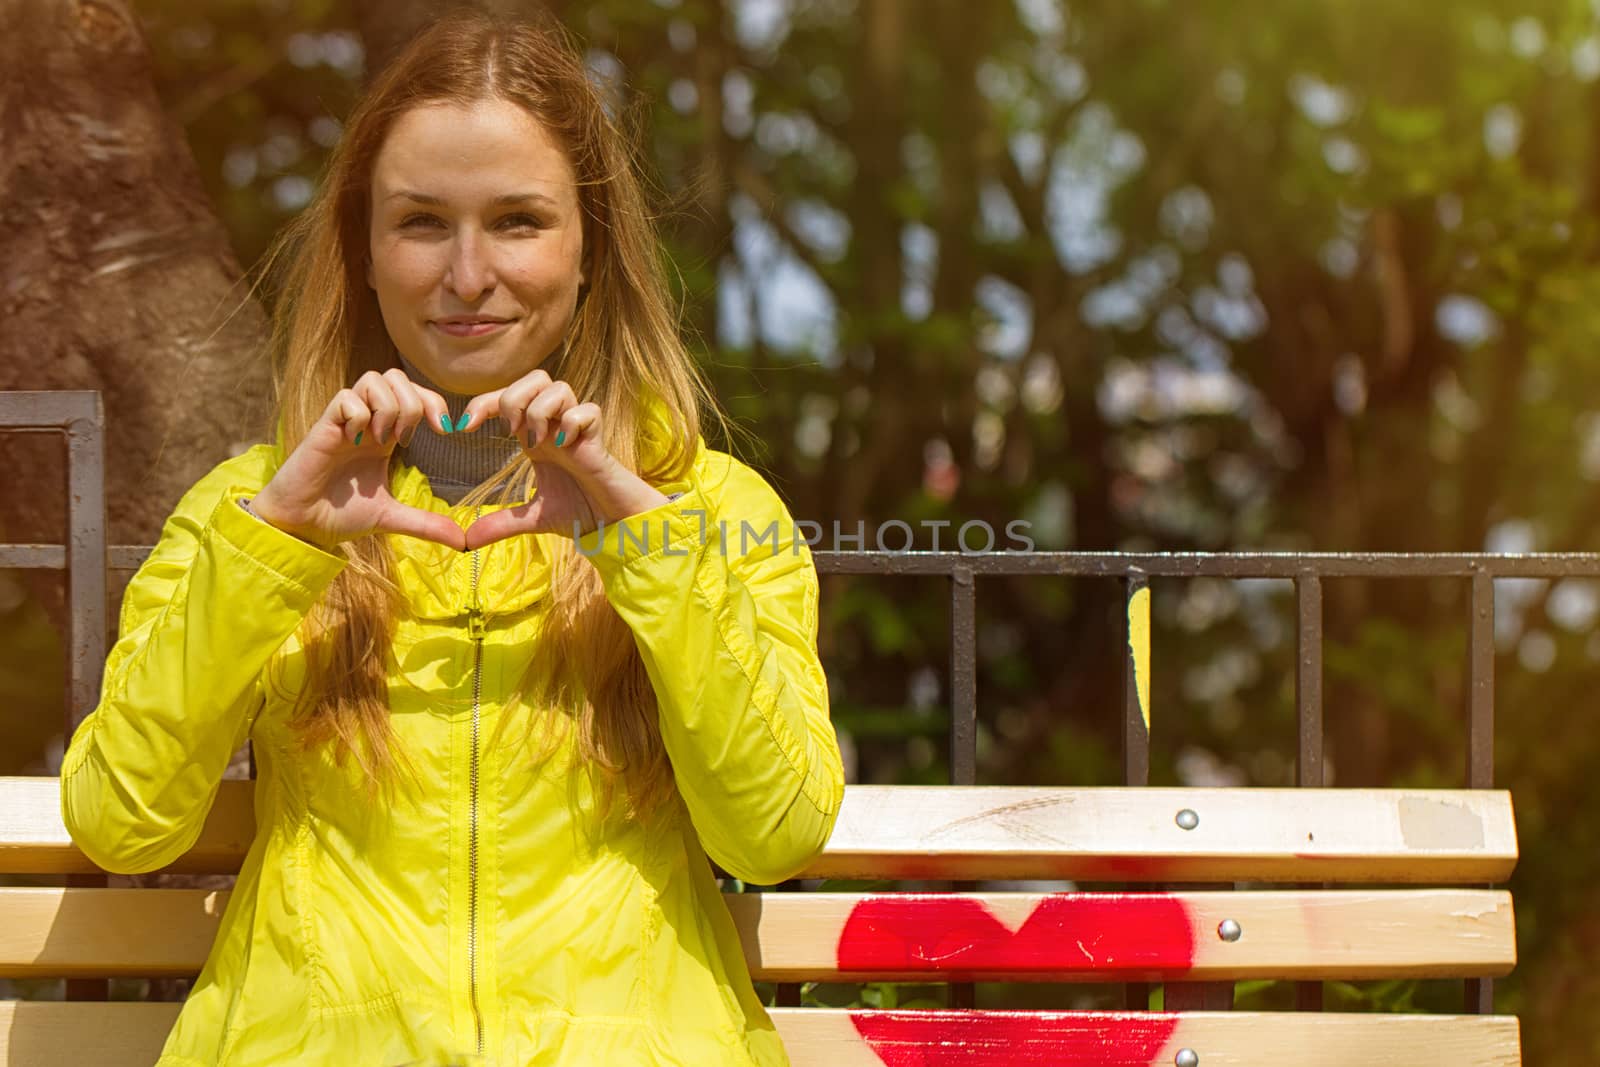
{"x":499,"y":525}
{"x":427,"y":525}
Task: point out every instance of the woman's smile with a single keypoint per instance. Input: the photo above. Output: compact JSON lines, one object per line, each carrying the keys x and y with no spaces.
{"x":470,"y":327}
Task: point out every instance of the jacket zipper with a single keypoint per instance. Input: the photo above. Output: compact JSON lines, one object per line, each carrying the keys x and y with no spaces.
{"x":475,"y":630}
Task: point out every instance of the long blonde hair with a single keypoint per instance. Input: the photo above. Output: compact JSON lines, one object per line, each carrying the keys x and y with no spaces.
{"x":623,"y":351}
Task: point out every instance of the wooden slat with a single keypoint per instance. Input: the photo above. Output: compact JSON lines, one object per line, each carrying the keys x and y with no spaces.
{"x":841,"y":1038}
{"x":1131,"y":835}
{"x":977,"y":832}
{"x":1106,"y":937}
{"x":92,"y":933}
{"x":39,"y":1033}
{"x":74,"y":933}
{"x":45,"y":1034}
{"x":33,"y":839}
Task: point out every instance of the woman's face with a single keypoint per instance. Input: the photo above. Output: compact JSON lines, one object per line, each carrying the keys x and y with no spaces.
{"x":476,"y":242}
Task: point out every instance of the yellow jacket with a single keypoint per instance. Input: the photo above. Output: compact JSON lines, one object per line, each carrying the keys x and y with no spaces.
{"x":491,"y":918}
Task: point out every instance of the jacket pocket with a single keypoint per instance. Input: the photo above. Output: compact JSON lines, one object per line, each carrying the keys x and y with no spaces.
{"x":374,"y":931}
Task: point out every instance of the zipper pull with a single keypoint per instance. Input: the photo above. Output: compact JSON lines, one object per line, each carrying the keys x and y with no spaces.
{"x":476,"y":627}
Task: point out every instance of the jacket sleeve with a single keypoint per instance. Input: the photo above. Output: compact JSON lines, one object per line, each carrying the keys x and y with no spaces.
{"x":201,"y":618}
{"x":722,"y":599}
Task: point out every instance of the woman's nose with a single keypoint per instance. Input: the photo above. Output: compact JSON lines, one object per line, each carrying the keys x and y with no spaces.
{"x":470,"y":272}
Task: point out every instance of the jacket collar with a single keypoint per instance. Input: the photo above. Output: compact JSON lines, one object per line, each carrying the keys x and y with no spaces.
{"x":437,"y":582}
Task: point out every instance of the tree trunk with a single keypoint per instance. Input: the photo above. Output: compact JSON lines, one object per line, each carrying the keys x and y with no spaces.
{"x":118,"y":276}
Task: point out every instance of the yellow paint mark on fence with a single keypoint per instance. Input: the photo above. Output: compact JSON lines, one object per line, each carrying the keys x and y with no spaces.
{"x":1139,"y":648}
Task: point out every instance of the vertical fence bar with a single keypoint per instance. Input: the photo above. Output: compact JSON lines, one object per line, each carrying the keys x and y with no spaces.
{"x":963,"y":716}
{"x":963,"y":677}
{"x":1480,"y":689}
{"x":1308,"y":718}
{"x":86,"y":585}
{"x":787,"y":994}
{"x":1308,"y":680}
{"x":86,"y":557}
{"x":1136,"y":715}
{"x":1480,"y":729}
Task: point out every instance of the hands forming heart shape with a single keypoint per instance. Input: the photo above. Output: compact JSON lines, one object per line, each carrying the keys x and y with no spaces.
{"x":335,"y":485}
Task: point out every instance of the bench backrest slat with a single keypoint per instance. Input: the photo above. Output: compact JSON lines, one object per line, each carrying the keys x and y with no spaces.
{"x":821,"y":1038}
{"x":46,"y":1034}
{"x":1352,"y":934}
{"x":1112,"y":937}
{"x":1136,"y":835}
{"x":33,"y":839}
{"x":981,"y":832}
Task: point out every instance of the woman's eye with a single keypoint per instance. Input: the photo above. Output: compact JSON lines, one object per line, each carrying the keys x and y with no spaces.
{"x":519,"y":221}
{"x":418,"y":221}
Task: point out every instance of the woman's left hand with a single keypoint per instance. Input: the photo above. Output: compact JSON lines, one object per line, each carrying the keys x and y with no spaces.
{"x":578,"y":482}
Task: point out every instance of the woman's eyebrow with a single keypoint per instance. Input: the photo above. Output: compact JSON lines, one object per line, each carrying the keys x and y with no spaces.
{"x":505,"y":198}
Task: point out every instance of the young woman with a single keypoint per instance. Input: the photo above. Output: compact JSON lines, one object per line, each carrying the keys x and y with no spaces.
{"x":515,"y":648}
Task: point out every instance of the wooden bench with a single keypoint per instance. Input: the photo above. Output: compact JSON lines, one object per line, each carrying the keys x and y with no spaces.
{"x":1164,"y":837}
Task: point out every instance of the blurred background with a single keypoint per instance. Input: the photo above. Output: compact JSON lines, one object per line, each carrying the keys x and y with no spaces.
{"x":1150,"y":275}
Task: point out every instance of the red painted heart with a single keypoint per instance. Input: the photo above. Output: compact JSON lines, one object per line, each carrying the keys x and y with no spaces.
{"x":1118,"y":935}
{"x":1009,"y":1038}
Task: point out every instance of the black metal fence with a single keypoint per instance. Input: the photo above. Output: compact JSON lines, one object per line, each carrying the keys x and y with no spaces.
{"x":80,"y":418}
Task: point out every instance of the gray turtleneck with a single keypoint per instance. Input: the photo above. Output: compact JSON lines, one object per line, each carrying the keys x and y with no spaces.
{"x":455,"y":463}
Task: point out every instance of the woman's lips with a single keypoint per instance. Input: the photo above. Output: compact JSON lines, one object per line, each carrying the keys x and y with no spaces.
{"x":469,"y":329}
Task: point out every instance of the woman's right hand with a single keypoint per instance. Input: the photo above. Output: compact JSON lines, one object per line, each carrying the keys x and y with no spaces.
{"x":335,"y":485}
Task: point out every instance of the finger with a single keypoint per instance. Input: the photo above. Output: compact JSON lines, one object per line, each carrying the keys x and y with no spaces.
{"x":348,"y":414}
{"x":436,"y":409}
{"x":428,"y":525}
{"x":409,"y":400}
{"x":546,"y":409}
{"x":509,"y":403}
{"x":577,"y":421}
{"x":480,"y":408}
{"x":499,"y":525}
{"x":379,"y":396}
{"x":519,"y":394}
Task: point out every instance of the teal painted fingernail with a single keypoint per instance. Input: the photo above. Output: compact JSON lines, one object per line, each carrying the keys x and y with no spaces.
{"x":444,"y":420}
{"x":358,"y":436}
{"x":561,"y":435}
{"x":461,"y":423}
